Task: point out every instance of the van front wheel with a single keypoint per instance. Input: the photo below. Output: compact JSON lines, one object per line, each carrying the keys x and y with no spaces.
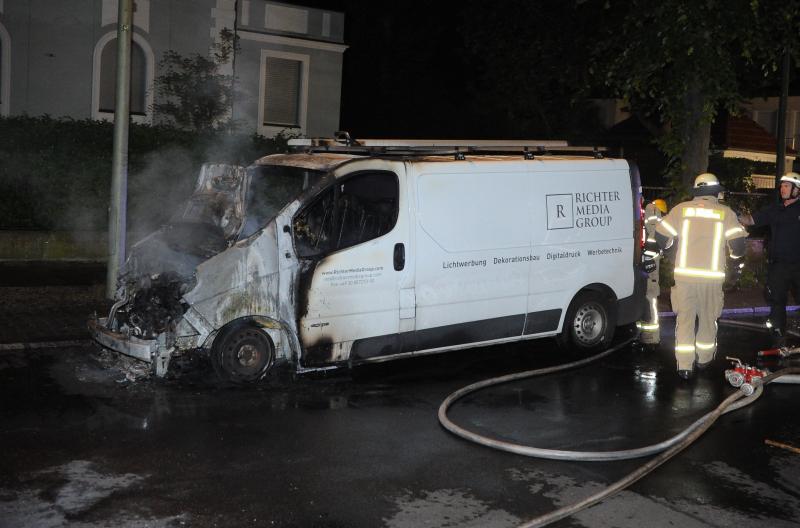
{"x":242,"y":354}
{"x":588,"y":325}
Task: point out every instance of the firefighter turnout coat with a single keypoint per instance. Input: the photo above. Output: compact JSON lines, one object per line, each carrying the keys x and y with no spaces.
{"x":699,"y":231}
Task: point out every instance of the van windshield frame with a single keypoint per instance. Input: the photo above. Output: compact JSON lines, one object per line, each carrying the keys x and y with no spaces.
{"x":270,"y":188}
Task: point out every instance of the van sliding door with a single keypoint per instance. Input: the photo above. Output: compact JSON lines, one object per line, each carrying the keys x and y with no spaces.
{"x":472,"y":252}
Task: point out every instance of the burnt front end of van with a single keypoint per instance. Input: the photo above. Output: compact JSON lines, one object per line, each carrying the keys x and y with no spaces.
{"x":147,"y":319}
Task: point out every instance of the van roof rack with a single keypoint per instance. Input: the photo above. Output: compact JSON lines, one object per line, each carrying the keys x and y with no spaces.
{"x":459,"y":147}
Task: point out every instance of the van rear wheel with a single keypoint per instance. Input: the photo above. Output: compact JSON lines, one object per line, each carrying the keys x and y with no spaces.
{"x":242,"y":354}
{"x":588,"y":325}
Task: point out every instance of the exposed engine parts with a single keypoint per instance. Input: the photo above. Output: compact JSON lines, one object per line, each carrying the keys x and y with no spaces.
{"x":154,"y":307}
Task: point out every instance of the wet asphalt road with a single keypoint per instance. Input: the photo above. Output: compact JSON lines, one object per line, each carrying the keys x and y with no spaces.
{"x":81,"y":445}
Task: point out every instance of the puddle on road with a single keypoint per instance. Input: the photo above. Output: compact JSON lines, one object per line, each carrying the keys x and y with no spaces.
{"x":447,"y":508}
{"x":633,"y":510}
{"x":68,"y":495}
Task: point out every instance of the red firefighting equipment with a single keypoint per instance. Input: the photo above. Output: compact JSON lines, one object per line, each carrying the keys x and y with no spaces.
{"x":744,"y":377}
{"x":701,"y":228}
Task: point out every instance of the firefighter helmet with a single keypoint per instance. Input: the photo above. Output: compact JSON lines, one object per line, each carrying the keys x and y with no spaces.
{"x":791,"y":177}
{"x":707,"y":184}
{"x":661,"y":205}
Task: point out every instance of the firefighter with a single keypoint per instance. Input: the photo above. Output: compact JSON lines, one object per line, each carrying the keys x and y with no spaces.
{"x":650,"y":334}
{"x":783,"y":219}
{"x":700,"y":229}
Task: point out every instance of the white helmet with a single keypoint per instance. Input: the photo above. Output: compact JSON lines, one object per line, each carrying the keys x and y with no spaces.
{"x":707,"y":184}
{"x":705,"y":180}
{"x":791,"y":177}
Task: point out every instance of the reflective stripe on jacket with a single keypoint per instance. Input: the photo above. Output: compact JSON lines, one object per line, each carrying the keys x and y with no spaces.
{"x":702,"y":228}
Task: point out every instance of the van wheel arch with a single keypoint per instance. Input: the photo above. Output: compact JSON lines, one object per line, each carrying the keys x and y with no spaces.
{"x":590,"y":320}
{"x":242,"y":351}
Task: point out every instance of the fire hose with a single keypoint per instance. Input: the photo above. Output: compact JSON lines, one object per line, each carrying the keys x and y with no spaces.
{"x":665,"y":449}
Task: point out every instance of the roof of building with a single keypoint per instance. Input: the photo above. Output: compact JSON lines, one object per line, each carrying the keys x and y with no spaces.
{"x":727,"y":133}
{"x":742,"y":133}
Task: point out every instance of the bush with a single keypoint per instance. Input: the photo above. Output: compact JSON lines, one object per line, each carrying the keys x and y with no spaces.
{"x":55,"y":173}
{"x":736,"y":175}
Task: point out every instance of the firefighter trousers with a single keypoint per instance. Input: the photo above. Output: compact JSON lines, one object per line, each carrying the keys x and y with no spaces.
{"x":781,"y":278}
{"x":650,"y":332}
{"x":700,"y":303}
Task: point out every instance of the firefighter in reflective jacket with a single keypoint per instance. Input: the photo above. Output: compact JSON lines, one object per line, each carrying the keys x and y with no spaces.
{"x":650,"y":334}
{"x":700,"y":228}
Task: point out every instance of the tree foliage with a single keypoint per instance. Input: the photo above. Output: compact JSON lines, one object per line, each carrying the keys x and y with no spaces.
{"x":678,"y":63}
{"x":195,"y":92}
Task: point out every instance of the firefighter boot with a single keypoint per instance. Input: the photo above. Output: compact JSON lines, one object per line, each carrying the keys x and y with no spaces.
{"x":778,"y":339}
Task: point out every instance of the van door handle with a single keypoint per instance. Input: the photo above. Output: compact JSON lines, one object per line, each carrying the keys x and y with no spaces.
{"x":399,"y":257}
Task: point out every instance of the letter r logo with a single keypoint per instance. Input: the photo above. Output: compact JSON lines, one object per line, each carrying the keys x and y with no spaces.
{"x":560,"y":211}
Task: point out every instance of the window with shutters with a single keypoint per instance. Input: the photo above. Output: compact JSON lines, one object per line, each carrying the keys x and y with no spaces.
{"x":284,"y":89}
{"x":282,"y":92}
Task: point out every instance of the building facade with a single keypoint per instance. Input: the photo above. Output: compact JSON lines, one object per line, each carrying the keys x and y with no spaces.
{"x":58,"y":57}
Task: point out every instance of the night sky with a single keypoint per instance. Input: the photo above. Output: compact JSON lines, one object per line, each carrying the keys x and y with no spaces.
{"x":409,"y":70}
{"x":406,"y":70}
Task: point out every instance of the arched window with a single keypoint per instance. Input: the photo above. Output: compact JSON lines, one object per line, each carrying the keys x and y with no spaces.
{"x":108,"y":78}
{"x":105,"y":75}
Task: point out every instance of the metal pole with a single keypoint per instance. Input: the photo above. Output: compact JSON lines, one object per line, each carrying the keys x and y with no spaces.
{"x":780,"y":154}
{"x":119,"y":167}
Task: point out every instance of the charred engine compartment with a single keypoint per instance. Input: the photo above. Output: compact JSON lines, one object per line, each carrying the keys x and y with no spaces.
{"x":158,"y":273}
{"x":154,"y":305}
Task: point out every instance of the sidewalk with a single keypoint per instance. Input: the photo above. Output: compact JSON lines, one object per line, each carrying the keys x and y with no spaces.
{"x":41,"y":302}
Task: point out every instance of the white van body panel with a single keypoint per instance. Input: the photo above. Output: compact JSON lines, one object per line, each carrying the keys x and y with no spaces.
{"x":467,"y":214}
{"x":486,"y":249}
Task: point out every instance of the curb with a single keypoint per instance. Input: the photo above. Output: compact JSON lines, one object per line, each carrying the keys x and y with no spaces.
{"x":7,"y":347}
{"x":752,"y":310}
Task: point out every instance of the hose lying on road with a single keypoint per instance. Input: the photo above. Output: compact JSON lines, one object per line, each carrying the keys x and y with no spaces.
{"x":668,"y":448}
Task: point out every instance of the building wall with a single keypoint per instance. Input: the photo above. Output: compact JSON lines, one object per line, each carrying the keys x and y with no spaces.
{"x":49,"y":52}
{"x":764,"y":111}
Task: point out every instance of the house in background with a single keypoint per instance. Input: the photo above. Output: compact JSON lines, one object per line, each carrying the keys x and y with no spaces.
{"x":742,"y":137}
{"x":59,"y":58}
{"x":751,"y":135}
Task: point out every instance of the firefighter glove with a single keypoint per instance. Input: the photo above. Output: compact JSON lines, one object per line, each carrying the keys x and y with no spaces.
{"x":651,"y":250}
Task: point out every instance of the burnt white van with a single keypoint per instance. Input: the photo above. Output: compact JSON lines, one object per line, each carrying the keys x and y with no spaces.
{"x":338,"y":254}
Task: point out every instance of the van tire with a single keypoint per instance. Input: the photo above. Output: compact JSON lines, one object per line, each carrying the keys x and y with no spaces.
{"x":589,"y":324}
{"x":242,"y":353}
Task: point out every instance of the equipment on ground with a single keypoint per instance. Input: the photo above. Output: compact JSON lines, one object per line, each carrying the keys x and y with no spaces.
{"x":744,"y":377}
{"x":664,"y":450}
{"x":780,"y":352}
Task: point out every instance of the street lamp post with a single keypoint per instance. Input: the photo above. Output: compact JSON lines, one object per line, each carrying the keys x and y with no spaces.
{"x":119,"y":167}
